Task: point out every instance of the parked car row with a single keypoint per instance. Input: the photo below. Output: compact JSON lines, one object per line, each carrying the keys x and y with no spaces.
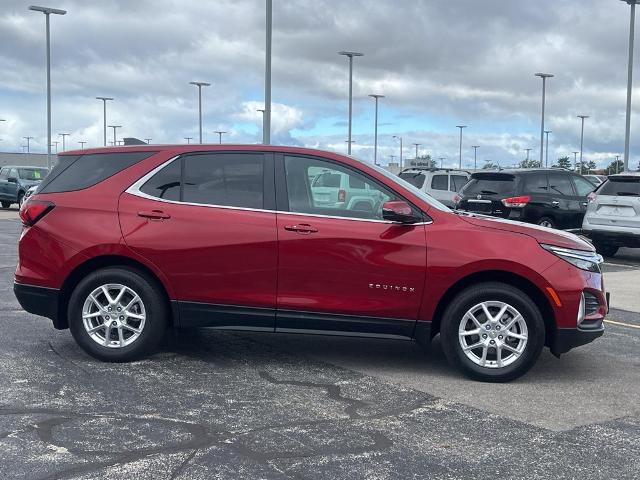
{"x":15,"y":182}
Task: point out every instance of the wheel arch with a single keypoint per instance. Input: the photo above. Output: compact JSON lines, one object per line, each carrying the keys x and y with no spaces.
{"x":103,"y":261}
{"x":509,"y":278}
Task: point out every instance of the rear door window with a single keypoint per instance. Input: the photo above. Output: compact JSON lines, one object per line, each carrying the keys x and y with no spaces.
{"x":536,"y":183}
{"x":490,"y":184}
{"x":83,"y":171}
{"x":440,"y":182}
{"x":457,"y":182}
{"x":583,"y":186}
{"x":621,"y":186}
{"x":166,"y":183}
{"x":415,"y":179}
{"x":560,"y":183}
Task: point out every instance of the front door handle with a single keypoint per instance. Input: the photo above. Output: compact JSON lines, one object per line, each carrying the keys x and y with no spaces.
{"x":555,"y":203}
{"x":303,"y":228}
{"x":154,"y":214}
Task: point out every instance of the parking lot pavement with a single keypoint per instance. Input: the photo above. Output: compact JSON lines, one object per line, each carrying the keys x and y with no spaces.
{"x":239,"y":405}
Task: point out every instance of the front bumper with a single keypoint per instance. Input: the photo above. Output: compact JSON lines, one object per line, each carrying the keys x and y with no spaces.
{"x":38,"y":300}
{"x":565,"y":339}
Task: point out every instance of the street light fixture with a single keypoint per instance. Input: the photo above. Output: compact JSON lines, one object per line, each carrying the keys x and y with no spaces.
{"x":188,"y":139}
{"x":376,"y":97}
{"x":546,"y":159}
{"x":399,"y":138}
{"x":544,"y":77}
{"x":461,"y":127}
{"x":350,"y":55}
{"x":617,"y":161}
{"x":528,"y":150}
{"x":219,"y":132}
{"x":104,"y":116}
{"x":475,"y":156}
{"x":115,"y":141}
{"x":627,"y":135}
{"x":442,"y":159}
{"x":417,"y":145}
{"x":55,"y":143}
{"x":582,"y":117}
{"x":64,"y":135}
{"x":47,"y":13}
{"x":28,"y":139}
{"x":575,"y":160}
{"x":200,"y":85}
{"x":82,"y":145}
{"x":148,"y":140}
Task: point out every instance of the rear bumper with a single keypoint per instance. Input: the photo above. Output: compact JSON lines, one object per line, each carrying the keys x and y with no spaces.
{"x":624,"y":237}
{"x":41,"y":301}
{"x":565,"y":339}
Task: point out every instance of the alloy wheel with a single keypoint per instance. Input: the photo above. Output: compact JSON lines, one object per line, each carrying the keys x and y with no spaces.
{"x":113,"y":315}
{"x":493,"y":334}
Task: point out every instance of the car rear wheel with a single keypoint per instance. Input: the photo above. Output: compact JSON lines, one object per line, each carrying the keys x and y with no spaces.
{"x":606,"y":249}
{"x":492,"y":332}
{"x":20,"y":199}
{"x":547,"y":222}
{"x":117,"y":314}
{"x":6,"y":204}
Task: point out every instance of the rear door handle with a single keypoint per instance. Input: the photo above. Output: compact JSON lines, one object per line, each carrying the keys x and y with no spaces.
{"x":303,"y":228}
{"x":555,"y":203}
{"x":154,"y":214}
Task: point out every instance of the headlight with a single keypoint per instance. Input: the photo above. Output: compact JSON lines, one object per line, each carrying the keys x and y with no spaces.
{"x":589,"y":261}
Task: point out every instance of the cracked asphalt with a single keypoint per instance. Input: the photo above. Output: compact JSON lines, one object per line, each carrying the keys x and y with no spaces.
{"x":226,"y":405}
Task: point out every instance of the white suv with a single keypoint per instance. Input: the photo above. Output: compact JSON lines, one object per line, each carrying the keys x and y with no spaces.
{"x":613,"y":214}
{"x":442,"y":184}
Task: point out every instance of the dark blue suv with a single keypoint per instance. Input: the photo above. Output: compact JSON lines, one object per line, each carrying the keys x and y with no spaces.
{"x":16,"y":180}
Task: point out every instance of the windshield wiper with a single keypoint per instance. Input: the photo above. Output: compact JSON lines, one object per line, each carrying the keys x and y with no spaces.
{"x":488,"y":192}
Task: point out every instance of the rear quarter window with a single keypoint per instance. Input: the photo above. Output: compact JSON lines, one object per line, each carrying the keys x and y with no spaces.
{"x":490,"y":184}
{"x":84,"y":171}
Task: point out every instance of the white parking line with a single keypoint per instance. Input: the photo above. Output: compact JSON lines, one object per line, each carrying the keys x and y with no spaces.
{"x":622,"y":324}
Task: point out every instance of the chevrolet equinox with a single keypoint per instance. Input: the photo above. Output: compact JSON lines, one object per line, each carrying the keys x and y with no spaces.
{"x":120,"y":244}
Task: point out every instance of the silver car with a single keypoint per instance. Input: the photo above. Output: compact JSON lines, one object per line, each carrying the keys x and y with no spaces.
{"x":613,"y":214}
{"x":442,"y":184}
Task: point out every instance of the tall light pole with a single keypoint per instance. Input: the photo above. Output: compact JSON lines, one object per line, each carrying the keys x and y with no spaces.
{"x":417,"y":145}
{"x":64,"y":135}
{"x":47,"y":13}
{"x":575,"y":160}
{"x":219,"y":132}
{"x":28,"y":139}
{"x":148,"y":140}
{"x":528,"y":150}
{"x":82,"y":145}
{"x":582,"y":117}
{"x":350,"y":55}
{"x":461,"y":127}
{"x":627,"y":135}
{"x":617,"y":160}
{"x":376,"y":97}
{"x":546,"y":159}
{"x":200,"y":85}
{"x":262,"y":110}
{"x":544,"y":77}
{"x":115,"y":141}
{"x":266,"y":123}
{"x":55,"y":143}
{"x":475,"y":156}
{"x":188,"y":139}
{"x":399,"y":138}
{"x":104,"y":116}
{"x":441,"y":161}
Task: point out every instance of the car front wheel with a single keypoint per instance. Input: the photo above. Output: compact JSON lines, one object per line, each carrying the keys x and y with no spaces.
{"x":492,"y":332}
{"x":117,"y":314}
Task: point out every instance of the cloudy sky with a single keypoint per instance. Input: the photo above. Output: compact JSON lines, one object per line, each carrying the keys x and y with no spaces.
{"x":440,"y":63}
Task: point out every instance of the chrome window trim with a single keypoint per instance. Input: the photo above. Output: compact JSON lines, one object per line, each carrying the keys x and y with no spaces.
{"x":134,"y":189}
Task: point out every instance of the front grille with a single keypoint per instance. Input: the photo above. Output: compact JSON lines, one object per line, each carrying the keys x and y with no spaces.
{"x":591,"y":304}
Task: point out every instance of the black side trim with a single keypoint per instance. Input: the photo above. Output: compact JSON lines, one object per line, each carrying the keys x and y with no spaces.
{"x":232,"y":317}
{"x":41,"y":301}
{"x":326,"y":323}
{"x":565,"y":339}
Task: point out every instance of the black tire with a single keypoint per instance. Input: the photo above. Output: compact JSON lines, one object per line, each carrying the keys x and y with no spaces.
{"x":20,"y":199}
{"x":606,"y":249}
{"x":6,"y":204}
{"x":547,"y":222}
{"x":492,"y":291}
{"x":155,"y":305}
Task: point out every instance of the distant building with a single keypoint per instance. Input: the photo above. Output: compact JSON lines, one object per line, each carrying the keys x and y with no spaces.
{"x":26,"y":159}
{"x":393,"y":167}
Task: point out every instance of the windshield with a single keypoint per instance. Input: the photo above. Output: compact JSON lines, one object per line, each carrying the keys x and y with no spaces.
{"x":489,"y":184}
{"x":621,"y":186}
{"x":33,"y":174}
{"x":414,"y":178}
{"x":418,"y":193}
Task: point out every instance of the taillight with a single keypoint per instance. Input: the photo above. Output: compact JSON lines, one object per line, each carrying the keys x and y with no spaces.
{"x":342,"y":196}
{"x":516,"y":202}
{"x":33,"y":210}
{"x":592,"y":197}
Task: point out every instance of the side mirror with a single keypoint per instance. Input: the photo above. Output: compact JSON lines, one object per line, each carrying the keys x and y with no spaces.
{"x":12,"y":180}
{"x":399,"y":211}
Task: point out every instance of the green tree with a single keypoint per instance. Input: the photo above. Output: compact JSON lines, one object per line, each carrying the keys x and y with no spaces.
{"x":490,"y":166}
{"x":563,"y":162}
{"x":614,"y":167}
{"x":529,"y":164}
{"x":590,"y":165}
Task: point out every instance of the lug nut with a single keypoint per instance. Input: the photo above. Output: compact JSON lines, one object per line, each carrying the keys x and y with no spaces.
{"x":119,"y":309}
{"x":122,"y":318}
{"x":492,"y":342}
{"x":109,"y":309}
{"x":488,"y":327}
{"x":484,"y":335}
{"x":500,"y":337}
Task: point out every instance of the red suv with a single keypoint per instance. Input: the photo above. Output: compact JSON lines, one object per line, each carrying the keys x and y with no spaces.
{"x":119,"y":244}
